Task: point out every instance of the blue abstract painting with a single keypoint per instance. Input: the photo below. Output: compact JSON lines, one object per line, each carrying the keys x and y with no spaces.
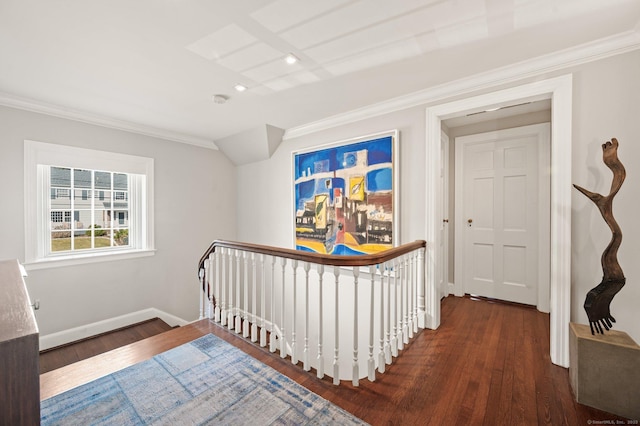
{"x":344,"y":196}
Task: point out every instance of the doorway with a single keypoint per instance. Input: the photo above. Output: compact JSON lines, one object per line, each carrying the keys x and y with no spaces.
{"x":559,"y":91}
{"x":502,"y":214}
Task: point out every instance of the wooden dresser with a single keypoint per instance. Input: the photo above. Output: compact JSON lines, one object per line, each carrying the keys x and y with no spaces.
{"x":19,"y":350}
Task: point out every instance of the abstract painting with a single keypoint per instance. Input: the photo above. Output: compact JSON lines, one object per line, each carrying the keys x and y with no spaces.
{"x":345,"y":196}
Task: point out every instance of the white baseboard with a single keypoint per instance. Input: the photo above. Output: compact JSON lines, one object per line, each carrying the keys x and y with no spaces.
{"x":78,"y":333}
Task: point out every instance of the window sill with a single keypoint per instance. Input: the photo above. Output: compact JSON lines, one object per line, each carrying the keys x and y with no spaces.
{"x":81,"y":259}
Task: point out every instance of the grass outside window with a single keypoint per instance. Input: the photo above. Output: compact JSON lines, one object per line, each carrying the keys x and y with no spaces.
{"x":81,"y":243}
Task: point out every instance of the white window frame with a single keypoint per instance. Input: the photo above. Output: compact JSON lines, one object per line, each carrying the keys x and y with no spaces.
{"x":38,"y":155}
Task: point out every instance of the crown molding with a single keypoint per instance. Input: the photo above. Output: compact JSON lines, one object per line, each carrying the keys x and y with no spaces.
{"x":32,"y":105}
{"x":599,"y":49}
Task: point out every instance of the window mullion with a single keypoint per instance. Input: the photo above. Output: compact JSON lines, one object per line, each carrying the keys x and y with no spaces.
{"x":93,"y":210}
{"x":134,"y":204}
{"x":72,"y":195}
{"x":112,"y":210}
{"x":44,"y":178}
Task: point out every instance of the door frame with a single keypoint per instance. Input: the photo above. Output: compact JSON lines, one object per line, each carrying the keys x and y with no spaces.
{"x":447,"y":287}
{"x":559,"y":90}
{"x":543,"y":131}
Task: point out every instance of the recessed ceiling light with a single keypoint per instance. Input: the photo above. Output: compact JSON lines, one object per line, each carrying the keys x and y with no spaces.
{"x":240,"y":87}
{"x":291,"y":59}
{"x":220,"y":99}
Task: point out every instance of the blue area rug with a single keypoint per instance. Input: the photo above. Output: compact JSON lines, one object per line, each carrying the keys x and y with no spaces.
{"x":207,"y":381}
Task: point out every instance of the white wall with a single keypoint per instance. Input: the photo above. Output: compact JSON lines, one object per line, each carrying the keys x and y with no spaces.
{"x":605,"y":94}
{"x":607,"y":104}
{"x":195,"y":199}
{"x":268,"y":184}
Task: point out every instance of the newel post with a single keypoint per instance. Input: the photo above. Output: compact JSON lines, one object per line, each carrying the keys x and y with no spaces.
{"x":210,"y":276}
{"x":202,"y":292}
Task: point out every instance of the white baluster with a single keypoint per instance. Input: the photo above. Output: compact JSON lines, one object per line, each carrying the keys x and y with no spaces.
{"x":405,"y":301}
{"x":263,"y":307}
{"x":320,"y":359}
{"x":283,"y":340}
{"x":240,"y":297}
{"x":305,"y":353}
{"x":239,"y":286}
{"x":356,"y":370}
{"x":294,"y":352}
{"x":245,"y":293}
{"x":223,"y":286}
{"x":401,"y":328}
{"x":415,"y":262}
{"x":336,"y":345}
{"x":226,"y":287}
{"x":383,"y":312}
{"x":387,"y":344}
{"x":230,"y":286}
{"x":396,"y":310}
{"x":272,"y":334}
{"x":421,"y":291}
{"x":410,"y":299}
{"x":254,"y":299}
{"x":371,"y":364}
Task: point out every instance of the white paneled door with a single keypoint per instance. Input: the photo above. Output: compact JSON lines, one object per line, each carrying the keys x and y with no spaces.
{"x":503,"y":215}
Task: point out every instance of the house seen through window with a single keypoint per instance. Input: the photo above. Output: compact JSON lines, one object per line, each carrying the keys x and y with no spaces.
{"x":98,"y":202}
{"x":84,"y":205}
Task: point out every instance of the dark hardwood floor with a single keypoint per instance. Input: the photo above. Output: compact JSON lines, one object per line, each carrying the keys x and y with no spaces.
{"x":488,"y":363}
{"x":68,"y":354}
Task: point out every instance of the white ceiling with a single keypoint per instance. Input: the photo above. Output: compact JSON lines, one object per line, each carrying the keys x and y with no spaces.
{"x":157,"y":63}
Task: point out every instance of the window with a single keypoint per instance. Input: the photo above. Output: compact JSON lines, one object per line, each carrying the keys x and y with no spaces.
{"x":59,"y":217}
{"x":59,"y":193}
{"x":108,"y":195}
{"x":92,"y":227}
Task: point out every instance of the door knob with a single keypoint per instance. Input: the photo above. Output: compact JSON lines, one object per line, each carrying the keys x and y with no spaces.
{"x":469,"y":221}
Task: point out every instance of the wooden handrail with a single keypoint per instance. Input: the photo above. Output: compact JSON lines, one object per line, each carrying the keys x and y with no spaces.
{"x":322,"y":259}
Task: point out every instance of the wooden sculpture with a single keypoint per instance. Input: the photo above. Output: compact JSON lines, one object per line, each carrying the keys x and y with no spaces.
{"x":599,"y":298}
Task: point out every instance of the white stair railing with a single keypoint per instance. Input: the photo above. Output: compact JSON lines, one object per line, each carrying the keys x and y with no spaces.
{"x":291,"y":302}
